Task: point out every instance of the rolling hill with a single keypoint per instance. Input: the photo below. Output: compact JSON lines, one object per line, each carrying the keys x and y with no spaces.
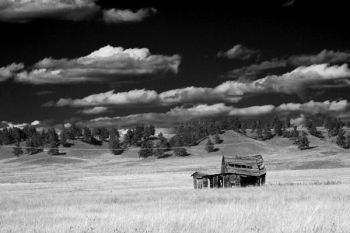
{"x":279,"y":154}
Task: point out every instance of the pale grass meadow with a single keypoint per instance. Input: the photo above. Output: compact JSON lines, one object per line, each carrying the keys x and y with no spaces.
{"x":291,"y":201}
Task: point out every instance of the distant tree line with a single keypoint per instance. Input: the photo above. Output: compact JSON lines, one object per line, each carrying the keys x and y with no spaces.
{"x":34,"y":140}
{"x":190,"y":133}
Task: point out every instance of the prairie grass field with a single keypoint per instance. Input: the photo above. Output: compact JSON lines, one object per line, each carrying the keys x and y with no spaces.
{"x":109,"y":193}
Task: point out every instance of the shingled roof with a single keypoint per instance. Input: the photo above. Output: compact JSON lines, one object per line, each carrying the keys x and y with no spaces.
{"x":244,"y":165}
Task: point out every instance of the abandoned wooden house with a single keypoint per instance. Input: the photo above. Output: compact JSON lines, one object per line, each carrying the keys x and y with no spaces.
{"x":235,"y":171}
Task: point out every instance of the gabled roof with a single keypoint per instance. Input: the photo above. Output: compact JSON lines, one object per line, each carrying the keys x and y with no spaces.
{"x":244,"y":165}
{"x":257,"y":159}
{"x":199,"y":174}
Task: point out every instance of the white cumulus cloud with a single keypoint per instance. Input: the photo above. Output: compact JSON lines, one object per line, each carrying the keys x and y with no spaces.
{"x":26,"y":10}
{"x":10,"y":71}
{"x":105,"y":64}
{"x":127,"y":15}
{"x":94,"y":110}
{"x":314,"y":107}
{"x":238,"y":52}
{"x":73,"y":10}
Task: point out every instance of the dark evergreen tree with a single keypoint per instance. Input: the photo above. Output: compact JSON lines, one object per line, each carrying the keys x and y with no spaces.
{"x":328,"y":122}
{"x":287,"y":122}
{"x":303,"y":142}
{"x":138,"y":135}
{"x":5,"y":137}
{"x":115,"y":132}
{"x":128,"y":137}
{"x":218,"y":127}
{"x":235,"y":124}
{"x":334,"y":128}
{"x":253,"y":126}
{"x":267,"y":132}
{"x":310,"y":125}
{"x":36,"y":143}
{"x":64,"y":135}
{"x":53,"y":142}
{"x":114,"y":145}
{"x":69,"y":132}
{"x":347,"y":141}
{"x":87,"y":135}
{"x":163,"y":142}
{"x":259,"y":133}
{"x":244,"y":127}
{"x":29,"y":146}
{"x":217,"y":139}
{"x":209,"y":146}
{"x":44,"y":137}
{"x":148,"y":131}
{"x":294,"y":134}
{"x":28,"y":131}
{"x":284,"y":131}
{"x":146,"y":149}
{"x":15,"y":134}
{"x":17,"y":150}
{"x":75,"y":131}
{"x":341,"y":140}
{"x":277,"y":126}
{"x":178,"y":148}
{"x":105,"y":134}
{"x":158,"y":150}
{"x":96,"y":132}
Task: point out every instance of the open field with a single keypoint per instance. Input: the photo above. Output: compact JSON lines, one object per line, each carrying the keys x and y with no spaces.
{"x":306,"y":191}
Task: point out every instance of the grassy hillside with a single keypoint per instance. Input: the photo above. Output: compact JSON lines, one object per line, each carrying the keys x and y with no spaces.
{"x":279,"y":154}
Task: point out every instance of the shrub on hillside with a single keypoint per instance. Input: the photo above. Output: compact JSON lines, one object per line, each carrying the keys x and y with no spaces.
{"x":180,"y":151}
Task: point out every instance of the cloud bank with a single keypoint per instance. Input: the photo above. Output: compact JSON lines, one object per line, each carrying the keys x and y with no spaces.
{"x":10,"y":71}
{"x":229,"y":91}
{"x":250,"y":72}
{"x":127,"y":15}
{"x":74,"y":10}
{"x":27,"y":10}
{"x":107,"y":63}
{"x":179,"y":114}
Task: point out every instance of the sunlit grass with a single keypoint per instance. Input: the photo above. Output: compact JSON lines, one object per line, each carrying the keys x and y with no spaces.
{"x":149,"y":203}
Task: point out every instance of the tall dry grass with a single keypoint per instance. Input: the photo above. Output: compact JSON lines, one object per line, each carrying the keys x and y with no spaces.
{"x":166,"y":202}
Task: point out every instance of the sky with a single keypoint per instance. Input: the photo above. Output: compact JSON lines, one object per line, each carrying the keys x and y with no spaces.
{"x":104,"y":63}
